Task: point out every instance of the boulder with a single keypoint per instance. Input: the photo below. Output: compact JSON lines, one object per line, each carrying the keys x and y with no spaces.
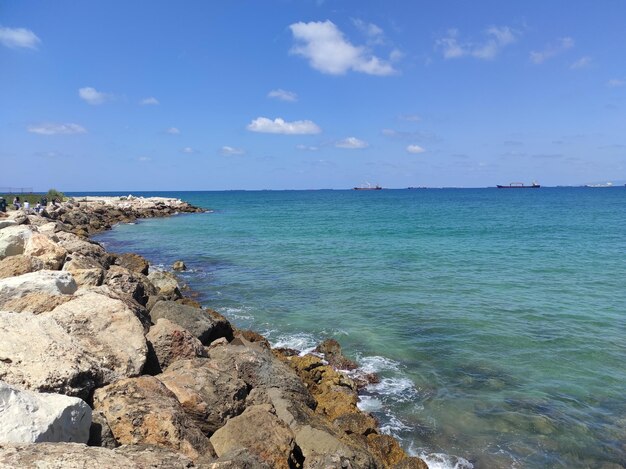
{"x":331,"y":350}
{"x":88,"y":277}
{"x":386,"y":449}
{"x":50,"y":253}
{"x":131,"y":283}
{"x":206,"y":325}
{"x":7,"y":222}
{"x":109,"y":330}
{"x":20,"y":264}
{"x":30,"y":417}
{"x":79,"y":262}
{"x":133,"y":262}
{"x":37,"y":354}
{"x":165,"y":283}
{"x":76,"y":245}
{"x":138,"y":310}
{"x":179,"y":266}
{"x":75,"y":456}
{"x":35,"y":303}
{"x":143,"y":411}
{"x":47,"y":282}
{"x":100,"y":433}
{"x":260,"y":432}
{"x":12,"y":240}
{"x":210,"y":397}
{"x":240,"y":458}
{"x":170,"y":343}
{"x":358,"y":423}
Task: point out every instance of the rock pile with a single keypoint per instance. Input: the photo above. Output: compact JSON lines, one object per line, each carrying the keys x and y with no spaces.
{"x":97,"y":350}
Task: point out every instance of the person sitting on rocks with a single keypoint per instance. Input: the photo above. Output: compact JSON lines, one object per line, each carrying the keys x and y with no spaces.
{"x":26,"y":206}
{"x":38,"y":208}
{"x":16,"y":202}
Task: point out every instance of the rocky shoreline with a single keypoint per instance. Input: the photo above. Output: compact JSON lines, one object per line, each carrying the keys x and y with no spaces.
{"x":104,"y":363}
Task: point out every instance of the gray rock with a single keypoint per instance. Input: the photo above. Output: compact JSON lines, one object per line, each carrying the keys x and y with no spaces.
{"x":100,"y":433}
{"x":165,"y":283}
{"x":43,"y":281}
{"x":12,"y":240}
{"x":170,"y":342}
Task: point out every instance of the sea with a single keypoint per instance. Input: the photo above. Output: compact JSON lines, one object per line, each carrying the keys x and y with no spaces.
{"x":495,"y":319}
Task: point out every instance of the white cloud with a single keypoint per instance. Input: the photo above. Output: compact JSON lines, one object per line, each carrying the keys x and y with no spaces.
{"x":328,"y":51}
{"x":307,"y":147}
{"x":410,"y":117}
{"x":498,"y":37}
{"x":551,"y":50}
{"x":279,"y":126}
{"x":56,"y":129}
{"x":172,"y":131}
{"x":143,"y":159}
{"x":415,"y":149}
{"x":351,"y":143}
{"x":226,"y":150}
{"x":93,"y":96}
{"x":615,"y":83}
{"x":283,"y":95}
{"x":583,"y":62}
{"x":18,"y":37}
{"x":188,"y":150}
{"x":149,"y":101}
{"x":374,"y":33}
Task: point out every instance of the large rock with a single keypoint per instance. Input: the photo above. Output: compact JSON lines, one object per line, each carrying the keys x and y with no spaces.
{"x":170,"y":342}
{"x":76,"y":245}
{"x":7,"y":222}
{"x":12,"y":240}
{"x":131,"y":283}
{"x":80,"y":456}
{"x":143,"y":411}
{"x":44,"y":281}
{"x":50,"y":253}
{"x":206,"y":325}
{"x":133,"y":262}
{"x":166,"y":284}
{"x":36,"y":303}
{"x":30,"y":417}
{"x":37,"y":354}
{"x":18,"y":265}
{"x":331,"y":350}
{"x":260,"y":432}
{"x":109,"y":330}
{"x":87,"y":271}
{"x":210,"y":397}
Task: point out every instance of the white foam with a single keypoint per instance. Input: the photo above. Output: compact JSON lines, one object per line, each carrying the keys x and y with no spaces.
{"x":369,"y":404}
{"x":445,"y":461}
{"x":376,"y":364}
{"x":302,"y":341}
{"x":236,"y":313}
{"x":393,"y":425}
{"x":400,"y":389}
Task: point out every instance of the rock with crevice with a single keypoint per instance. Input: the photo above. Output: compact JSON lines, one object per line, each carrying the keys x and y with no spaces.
{"x":47,"y":282}
{"x":133,"y":262}
{"x":205,"y":325}
{"x":170,"y":342}
{"x":51,"y":254}
{"x":131,"y":283}
{"x":35,"y":303}
{"x":166,"y":284}
{"x":18,"y":265}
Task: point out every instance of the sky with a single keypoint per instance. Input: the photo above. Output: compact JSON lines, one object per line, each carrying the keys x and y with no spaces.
{"x":304,"y":94}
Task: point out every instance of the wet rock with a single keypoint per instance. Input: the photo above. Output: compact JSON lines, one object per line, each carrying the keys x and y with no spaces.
{"x":30,"y":417}
{"x":411,"y":462}
{"x":179,"y":266}
{"x":209,"y":397}
{"x":260,"y":432}
{"x":46,"y":282}
{"x":205,"y":325}
{"x":133,"y":262}
{"x":18,"y":265}
{"x":37,"y":354}
{"x":143,"y":411}
{"x":170,"y":342}
{"x":50,"y":253}
{"x":12,"y":240}
{"x":386,"y":449}
{"x":331,"y":350}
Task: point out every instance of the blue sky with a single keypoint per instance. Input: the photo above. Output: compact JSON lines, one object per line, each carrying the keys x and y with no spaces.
{"x":216,"y":95}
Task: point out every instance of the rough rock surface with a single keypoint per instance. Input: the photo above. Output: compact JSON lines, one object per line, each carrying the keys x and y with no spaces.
{"x":50,"y":253}
{"x":210,"y":397}
{"x":179,"y":266}
{"x":18,"y":265}
{"x":260,"y":432}
{"x":166,"y":284}
{"x":331,"y":350}
{"x":133,"y":262}
{"x":131,"y":283}
{"x":43,"y":281}
{"x":143,"y":411}
{"x":35,"y":303}
{"x":30,"y":417}
{"x":100,"y":433}
{"x":170,"y":343}
{"x":206,"y":325}
{"x":37,"y":354}
{"x":12,"y":240}
{"x":109,"y":330}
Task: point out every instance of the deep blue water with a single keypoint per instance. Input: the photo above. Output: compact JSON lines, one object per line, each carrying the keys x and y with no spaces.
{"x":496,"y":318}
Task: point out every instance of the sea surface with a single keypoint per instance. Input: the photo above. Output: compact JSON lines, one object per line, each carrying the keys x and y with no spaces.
{"x":496,"y":319}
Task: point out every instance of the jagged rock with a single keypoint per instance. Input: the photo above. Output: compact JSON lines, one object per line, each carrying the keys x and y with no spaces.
{"x":260,"y":432}
{"x":206,"y":325}
{"x":357,"y":423}
{"x":131,"y":283}
{"x":30,"y":417}
{"x":109,"y":330}
{"x":100,"y":433}
{"x":88,"y":277}
{"x":210,"y":397}
{"x":386,"y":449}
{"x":179,"y":266}
{"x":52,"y":255}
{"x":254,"y":337}
{"x":411,"y":462}
{"x":37,"y":354}
{"x":80,"y":456}
{"x":47,"y":282}
{"x":240,"y":458}
{"x":143,"y":411}
{"x":133,"y":262}
{"x":20,"y":217}
{"x":165,"y":283}
{"x":18,"y":265}
{"x":170,"y":342}
{"x":7,"y":222}
{"x":79,"y":262}
{"x":188,"y":302}
{"x":12,"y":240}
{"x":77,"y":245}
{"x":138,"y":310}
{"x":36,"y":303}
{"x":331,"y":350}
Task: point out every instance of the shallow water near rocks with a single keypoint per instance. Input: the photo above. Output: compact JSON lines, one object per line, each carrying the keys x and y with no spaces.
{"x":496,"y":319}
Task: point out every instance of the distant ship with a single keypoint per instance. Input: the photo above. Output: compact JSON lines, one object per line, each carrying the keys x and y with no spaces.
{"x":369,"y":187}
{"x":606,"y":184}
{"x":519,"y":185}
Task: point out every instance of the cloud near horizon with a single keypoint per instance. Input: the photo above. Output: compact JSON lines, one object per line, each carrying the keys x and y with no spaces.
{"x":352,"y":143}
{"x":280,"y":126}
{"x":415,"y":149}
{"x":328,"y":51}
{"x":56,"y":129}
{"x":14,"y":38}
{"x":92,"y":96}
{"x":551,"y":50}
{"x":283,"y":95}
{"x":231,"y":151}
{"x":151,"y":101}
{"x":498,"y":37}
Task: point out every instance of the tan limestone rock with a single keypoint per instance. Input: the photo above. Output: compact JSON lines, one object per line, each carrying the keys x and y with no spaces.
{"x":41,"y":246}
{"x":18,"y":265}
{"x":170,"y":342}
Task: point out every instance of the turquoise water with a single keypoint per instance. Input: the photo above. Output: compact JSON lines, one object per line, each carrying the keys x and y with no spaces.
{"x":495,"y":318}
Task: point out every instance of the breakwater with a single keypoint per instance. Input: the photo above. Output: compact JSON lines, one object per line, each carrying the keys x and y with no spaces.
{"x":114,"y":356}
